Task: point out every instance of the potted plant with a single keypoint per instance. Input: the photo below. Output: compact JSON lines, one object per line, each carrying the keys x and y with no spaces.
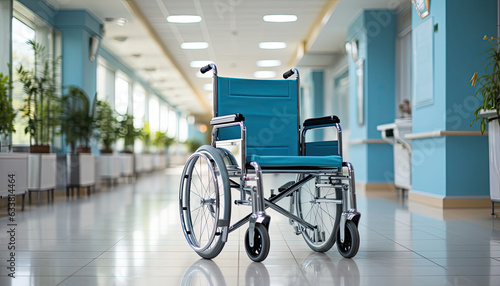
{"x":41,"y":109}
{"x":78,"y":124}
{"x":146,"y":157}
{"x":489,"y":111}
{"x":40,"y":103}
{"x":107,"y":131}
{"x":107,"y":126}
{"x":129,"y":134}
{"x":161,"y":142}
{"x":7,"y":113}
{"x":10,"y":163}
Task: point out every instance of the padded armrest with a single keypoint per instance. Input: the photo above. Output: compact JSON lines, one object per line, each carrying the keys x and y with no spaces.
{"x":332,"y":119}
{"x":227,"y":119}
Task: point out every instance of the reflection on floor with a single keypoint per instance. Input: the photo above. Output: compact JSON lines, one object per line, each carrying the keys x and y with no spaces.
{"x":130,"y":235}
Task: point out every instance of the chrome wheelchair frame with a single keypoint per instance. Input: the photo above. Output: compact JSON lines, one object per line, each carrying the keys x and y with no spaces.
{"x":207,"y":180}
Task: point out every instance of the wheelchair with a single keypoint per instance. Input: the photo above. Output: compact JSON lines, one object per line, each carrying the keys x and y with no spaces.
{"x":261,"y":118}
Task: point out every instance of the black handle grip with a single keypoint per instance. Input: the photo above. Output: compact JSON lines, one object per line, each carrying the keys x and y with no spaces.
{"x":332,"y":119}
{"x":206,"y":68}
{"x":288,"y":74}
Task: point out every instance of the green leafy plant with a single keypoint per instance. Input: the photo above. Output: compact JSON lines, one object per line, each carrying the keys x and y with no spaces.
{"x":146,"y":137}
{"x":192,"y":145}
{"x":41,"y":105}
{"x":78,"y":122}
{"x":7,"y":112}
{"x":162,"y":141}
{"x":489,"y":83}
{"x":107,"y":125}
{"x":128,"y":132}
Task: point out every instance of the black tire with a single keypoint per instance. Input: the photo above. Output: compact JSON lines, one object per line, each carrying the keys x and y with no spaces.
{"x":326,"y":216}
{"x":204,"y":200}
{"x":350,"y":246}
{"x":261,"y":244}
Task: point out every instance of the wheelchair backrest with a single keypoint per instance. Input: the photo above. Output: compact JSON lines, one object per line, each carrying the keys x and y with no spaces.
{"x":271,"y":112}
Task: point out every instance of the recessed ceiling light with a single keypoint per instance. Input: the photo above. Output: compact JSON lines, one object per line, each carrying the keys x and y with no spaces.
{"x":268,"y":63}
{"x":208,"y":86}
{"x":183,"y":19}
{"x":280,"y":18}
{"x":272,"y":45}
{"x":264,"y":74}
{"x":120,"y":38}
{"x":194,"y":45}
{"x":121,"y":22}
{"x":199,"y":64}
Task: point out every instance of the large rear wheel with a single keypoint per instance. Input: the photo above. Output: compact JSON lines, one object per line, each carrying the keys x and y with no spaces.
{"x":204,"y":201}
{"x":317,"y":203}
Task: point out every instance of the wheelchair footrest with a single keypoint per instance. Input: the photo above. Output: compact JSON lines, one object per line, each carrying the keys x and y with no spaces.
{"x":286,"y":186}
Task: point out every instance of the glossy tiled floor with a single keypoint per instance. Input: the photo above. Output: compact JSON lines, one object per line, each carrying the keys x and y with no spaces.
{"x":130,"y":235}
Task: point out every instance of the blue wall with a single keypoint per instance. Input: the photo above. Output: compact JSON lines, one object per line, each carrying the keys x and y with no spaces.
{"x":453,"y":165}
{"x":77,"y":28}
{"x":315,"y":81}
{"x":375,"y":31}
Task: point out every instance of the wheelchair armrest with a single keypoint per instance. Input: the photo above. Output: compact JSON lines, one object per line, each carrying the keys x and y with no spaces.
{"x":227,"y":119}
{"x":325,"y":120}
{"x":320,"y":122}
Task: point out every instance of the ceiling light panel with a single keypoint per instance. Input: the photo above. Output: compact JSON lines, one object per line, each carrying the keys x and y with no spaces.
{"x":280,"y":18}
{"x":272,"y":45}
{"x":199,"y":64}
{"x":268,"y":63}
{"x":194,"y":45}
{"x":183,"y":19}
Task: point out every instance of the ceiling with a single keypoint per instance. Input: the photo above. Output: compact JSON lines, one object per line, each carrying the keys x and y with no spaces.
{"x":150,"y":45}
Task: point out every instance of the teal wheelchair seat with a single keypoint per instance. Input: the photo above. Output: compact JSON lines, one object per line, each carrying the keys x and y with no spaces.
{"x":307,"y":162}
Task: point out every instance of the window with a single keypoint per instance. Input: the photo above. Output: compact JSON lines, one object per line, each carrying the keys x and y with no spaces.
{"x":28,"y":26}
{"x":139,"y":106}
{"x":22,"y":54}
{"x":163,"y":118}
{"x":183,"y":129}
{"x":172,"y":123}
{"x":154,"y":114}
{"x":121,"y":95}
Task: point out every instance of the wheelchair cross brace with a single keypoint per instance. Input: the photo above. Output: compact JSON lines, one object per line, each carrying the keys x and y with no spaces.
{"x":271,"y":203}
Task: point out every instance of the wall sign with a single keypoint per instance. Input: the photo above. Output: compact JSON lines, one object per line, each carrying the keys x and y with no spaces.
{"x":423,"y":61}
{"x":422,"y":7}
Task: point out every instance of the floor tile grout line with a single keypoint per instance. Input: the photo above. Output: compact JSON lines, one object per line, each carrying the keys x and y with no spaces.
{"x":93,"y":259}
{"x":294,"y":257}
{"x":417,"y":253}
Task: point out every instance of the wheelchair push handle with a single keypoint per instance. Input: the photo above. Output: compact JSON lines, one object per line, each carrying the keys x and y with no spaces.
{"x":208,"y":68}
{"x":289,"y":73}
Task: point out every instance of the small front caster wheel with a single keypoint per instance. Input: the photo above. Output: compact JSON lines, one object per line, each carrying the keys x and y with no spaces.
{"x":261,"y":243}
{"x":350,"y":246}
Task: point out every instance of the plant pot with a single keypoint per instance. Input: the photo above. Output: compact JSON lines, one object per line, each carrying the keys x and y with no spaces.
{"x":80,"y":170}
{"x":126,"y":164}
{"x":40,"y":149}
{"x":106,"y":151}
{"x":17,"y":165}
{"x":42,"y":172}
{"x":83,"y":150}
{"x":110,"y":166}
